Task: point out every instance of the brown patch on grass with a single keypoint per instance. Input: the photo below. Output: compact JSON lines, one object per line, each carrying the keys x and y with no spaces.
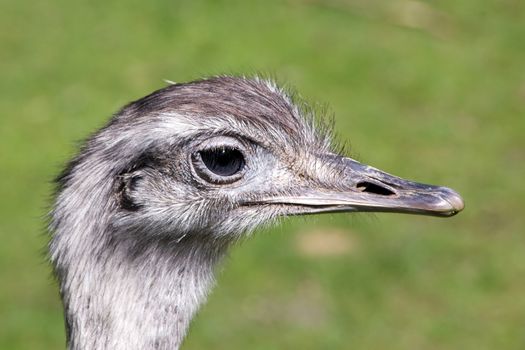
{"x":307,"y":308}
{"x":407,"y":13}
{"x":420,"y":15}
{"x":324,"y":242}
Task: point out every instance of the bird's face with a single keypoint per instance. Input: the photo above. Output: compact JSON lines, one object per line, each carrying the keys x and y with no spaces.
{"x":257,"y":182}
{"x":226,"y":175}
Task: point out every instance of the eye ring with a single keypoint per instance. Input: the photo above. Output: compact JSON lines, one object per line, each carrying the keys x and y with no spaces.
{"x":221,"y":164}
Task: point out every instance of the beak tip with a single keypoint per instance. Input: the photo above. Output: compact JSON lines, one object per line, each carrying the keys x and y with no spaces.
{"x":454,"y":200}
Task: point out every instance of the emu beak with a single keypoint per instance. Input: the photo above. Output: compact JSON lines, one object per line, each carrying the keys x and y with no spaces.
{"x":366,"y":189}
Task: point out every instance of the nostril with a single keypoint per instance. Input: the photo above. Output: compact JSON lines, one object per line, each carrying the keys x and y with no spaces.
{"x":373,"y":188}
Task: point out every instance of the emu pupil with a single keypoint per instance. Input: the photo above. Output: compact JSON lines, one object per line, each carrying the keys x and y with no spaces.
{"x":223,"y":161}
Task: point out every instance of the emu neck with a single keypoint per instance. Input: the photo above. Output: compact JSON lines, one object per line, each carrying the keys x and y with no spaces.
{"x":115,"y":300}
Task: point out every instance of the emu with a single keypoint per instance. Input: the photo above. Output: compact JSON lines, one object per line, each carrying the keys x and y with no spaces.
{"x":153,"y":200}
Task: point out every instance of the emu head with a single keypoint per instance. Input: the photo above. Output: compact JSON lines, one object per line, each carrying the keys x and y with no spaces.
{"x":152,"y":201}
{"x":219,"y":157}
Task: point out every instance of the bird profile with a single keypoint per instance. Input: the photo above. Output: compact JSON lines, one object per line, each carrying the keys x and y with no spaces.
{"x":154,"y":199}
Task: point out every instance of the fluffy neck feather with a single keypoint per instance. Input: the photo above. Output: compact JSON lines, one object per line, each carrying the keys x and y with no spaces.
{"x":124,"y":289}
{"x":112,"y":302}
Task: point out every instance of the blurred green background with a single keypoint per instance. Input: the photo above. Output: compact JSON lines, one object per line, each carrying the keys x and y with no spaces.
{"x":433,"y":91}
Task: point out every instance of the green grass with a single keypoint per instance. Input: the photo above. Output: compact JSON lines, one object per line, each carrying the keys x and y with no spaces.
{"x":433,"y":91}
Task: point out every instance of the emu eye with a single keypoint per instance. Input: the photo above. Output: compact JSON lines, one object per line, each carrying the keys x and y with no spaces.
{"x":223,"y":161}
{"x":219,"y":164}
